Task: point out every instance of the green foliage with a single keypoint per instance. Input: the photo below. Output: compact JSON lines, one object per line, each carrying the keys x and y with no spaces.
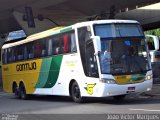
{"x":155,"y":32}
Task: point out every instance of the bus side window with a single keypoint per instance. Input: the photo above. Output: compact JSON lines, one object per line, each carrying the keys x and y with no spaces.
{"x":58,"y":50}
{"x":20,"y":53}
{"x":43,"y":47}
{"x":60,"y":44}
{"x":69,"y":42}
{"x":30,"y":50}
{"x":12,"y":54}
{"x":25,"y":52}
{"x":15,"y":54}
{"x":49,"y":46}
{"x":73,"y":43}
{"x":5,"y":56}
{"x":53,"y":46}
{"x":57,"y":45}
{"x":37,"y":49}
{"x":66,"y":41}
{"x":9,"y":56}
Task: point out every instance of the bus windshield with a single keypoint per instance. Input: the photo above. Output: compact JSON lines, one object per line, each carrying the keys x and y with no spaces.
{"x":118,"y":30}
{"x":123,"y":52}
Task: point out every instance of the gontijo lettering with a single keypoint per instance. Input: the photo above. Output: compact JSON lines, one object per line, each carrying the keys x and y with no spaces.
{"x":26,"y":66}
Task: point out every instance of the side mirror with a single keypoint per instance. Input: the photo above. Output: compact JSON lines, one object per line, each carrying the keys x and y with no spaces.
{"x":96,"y":43}
{"x":155,"y":39}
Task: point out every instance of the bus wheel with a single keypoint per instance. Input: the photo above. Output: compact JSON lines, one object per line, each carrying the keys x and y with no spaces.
{"x":119,"y":97}
{"x":23,"y":94}
{"x":75,"y":93}
{"x":16,"y":90}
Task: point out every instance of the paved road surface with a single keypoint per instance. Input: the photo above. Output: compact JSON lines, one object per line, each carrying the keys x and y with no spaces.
{"x":64,"y":105}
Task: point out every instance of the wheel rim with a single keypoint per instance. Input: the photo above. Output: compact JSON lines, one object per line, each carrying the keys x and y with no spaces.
{"x":23,"y":93}
{"x":76,"y":92}
{"x":15,"y":90}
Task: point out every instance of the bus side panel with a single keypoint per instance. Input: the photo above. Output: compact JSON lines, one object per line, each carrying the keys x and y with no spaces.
{"x":26,"y":72}
{"x":6,"y":77}
{"x":30,"y":77}
{"x":49,"y":74}
{"x":62,"y":70}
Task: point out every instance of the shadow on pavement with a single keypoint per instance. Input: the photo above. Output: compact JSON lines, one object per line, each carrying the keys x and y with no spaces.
{"x":129,"y":100}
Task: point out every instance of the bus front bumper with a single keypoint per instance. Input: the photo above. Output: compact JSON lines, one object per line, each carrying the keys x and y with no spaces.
{"x":104,"y":90}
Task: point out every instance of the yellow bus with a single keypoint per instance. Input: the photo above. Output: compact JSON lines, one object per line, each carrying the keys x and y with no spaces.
{"x":89,"y":59}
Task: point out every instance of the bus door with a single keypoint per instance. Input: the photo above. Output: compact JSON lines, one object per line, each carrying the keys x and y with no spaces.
{"x":91,"y":62}
{"x":87,"y":51}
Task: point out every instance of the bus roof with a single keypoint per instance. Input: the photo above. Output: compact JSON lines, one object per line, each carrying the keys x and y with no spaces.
{"x":57,"y":30}
{"x":104,"y":21}
{"x":36,"y":36}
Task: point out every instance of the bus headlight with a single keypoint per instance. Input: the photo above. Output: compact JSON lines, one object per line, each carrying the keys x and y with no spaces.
{"x":108,"y":81}
{"x":148,"y":77}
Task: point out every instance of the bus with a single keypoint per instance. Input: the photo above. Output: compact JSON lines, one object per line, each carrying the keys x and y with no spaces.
{"x":69,"y":61}
{"x":153,"y":46}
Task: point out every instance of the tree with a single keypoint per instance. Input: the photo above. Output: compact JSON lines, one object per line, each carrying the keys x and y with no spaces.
{"x":155,"y":32}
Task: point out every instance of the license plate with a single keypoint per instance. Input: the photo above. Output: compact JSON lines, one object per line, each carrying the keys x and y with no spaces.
{"x":131,"y":88}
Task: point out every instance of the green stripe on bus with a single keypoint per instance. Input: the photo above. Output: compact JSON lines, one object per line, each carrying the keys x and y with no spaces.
{"x":44,"y":72}
{"x":66,"y":29}
{"x":54,"y":71}
{"x":53,"y":33}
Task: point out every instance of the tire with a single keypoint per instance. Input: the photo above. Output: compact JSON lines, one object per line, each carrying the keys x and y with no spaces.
{"x":75,"y":93}
{"x":23,"y":94}
{"x":119,"y":97}
{"x":16,"y":90}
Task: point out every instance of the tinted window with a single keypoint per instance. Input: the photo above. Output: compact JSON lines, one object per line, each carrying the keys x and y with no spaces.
{"x":53,"y":45}
{"x":118,"y":30}
{"x":83,"y":37}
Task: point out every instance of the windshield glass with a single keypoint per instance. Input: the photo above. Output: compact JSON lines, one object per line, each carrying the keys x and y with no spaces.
{"x":118,"y":30}
{"x":123,"y":56}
